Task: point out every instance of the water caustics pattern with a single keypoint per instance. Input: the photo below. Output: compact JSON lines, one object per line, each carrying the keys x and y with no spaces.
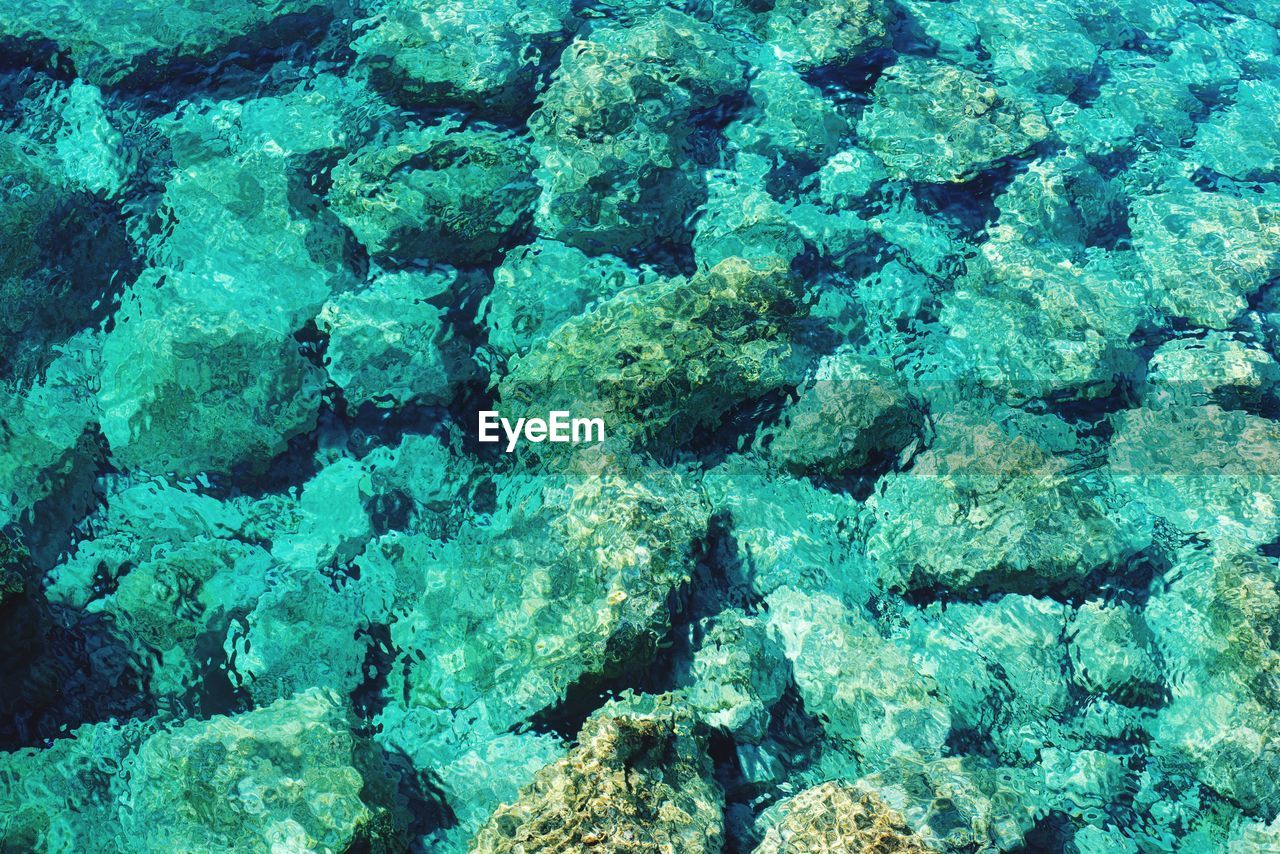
{"x":936,"y":344}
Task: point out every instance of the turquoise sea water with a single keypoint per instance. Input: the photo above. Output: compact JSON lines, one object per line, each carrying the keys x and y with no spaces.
{"x":935,"y":345}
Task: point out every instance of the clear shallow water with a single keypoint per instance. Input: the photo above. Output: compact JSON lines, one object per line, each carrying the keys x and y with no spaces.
{"x":935,"y":345}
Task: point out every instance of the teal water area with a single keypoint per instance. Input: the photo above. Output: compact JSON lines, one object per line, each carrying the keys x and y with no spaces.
{"x":935,"y":345}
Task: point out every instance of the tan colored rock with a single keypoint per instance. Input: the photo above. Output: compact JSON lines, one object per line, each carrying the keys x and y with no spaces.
{"x":837,"y":817}
{"x":638,"y":781}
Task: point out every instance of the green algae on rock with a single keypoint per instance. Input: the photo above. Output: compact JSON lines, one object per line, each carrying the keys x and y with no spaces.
{"x":728,"y":342}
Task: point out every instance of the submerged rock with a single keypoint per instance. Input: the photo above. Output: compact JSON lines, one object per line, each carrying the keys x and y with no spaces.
{"x":983,"y":508}
{"x":861,"y":685}
{"x":738,"y":673}
{"x":1234,"y":143}
{"x":66,"y":795}
{"x":62,"y":250}
{"x":639,"y":780}
{"x":790,"y":124}
{"x":573,"y":579}
{"x":1032,"y":325}
{"x":935,"y":122}
{"x":483,"y":54}
{"x":45,"y":427}
{"x":809,"y":34}
{"x":289,"y":775}
{"x":1206,"y":253}
{"x":110,"y":44}
{"x":184,"y":395}
{"x":1001,"y":668}
{"x":615,"y":176}
{"x":837,"y":817}
{"x":1204,"y":469}
{"x":962,"y":803}
{"x":444,"y":192}
{"x":388,"y":343}
{"x":659,"y":359}
{"x":540,"y":286}
{"x":1216,"y":368}
{"x":1216,"y":624}
{"x":1111,"y":651}
{"x":201,"y":371}
{"x":852,"y":408}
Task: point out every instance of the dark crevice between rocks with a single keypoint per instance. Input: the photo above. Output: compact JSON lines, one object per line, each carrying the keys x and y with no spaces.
{"x":1113,"y":233}
{"x":1129,"y":581}
{"x":1212,"y":97}
{"x":85,"y":260}
{"x":370,"y":427}
{"x":971,"y":205}
{"x":21,"y":59}
{"x":971,"y":741}
{"x":1052,"y":833}
{"x":390,"y":511}
{"x":1212,"y":181}
{"x":849,"y":86}
{"x":859,"y":483}
{"x":704,"y":144}
{"x":738,"y":815}
{"x":281,"y":54}
{"x":50,"y":529}
{"x":720,"y":580}
{"x":408,"y":247}
{"x":1089,"y":87}
{"x":296,"y":464}
{"x":1139,"y":42}
{"x":735,"y":432}
{"x":213,"y":691}
{"x":816,"y":335}
{"x":330,"y":243}
{"x":1271,"y":550}
{"x":421,"y":796}
{"x":73,"y":669}
{"x":792,"y":740}
{"x":906,"y":35}
{"x":1114,"y":163}
{"x":508,"y":107}
{"x":369,"y":697}
{"x":1089,"y":416}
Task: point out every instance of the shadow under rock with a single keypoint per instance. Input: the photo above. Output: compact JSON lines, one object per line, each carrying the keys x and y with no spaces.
{"x":718,"y":581}
{"x":69,"y":668}
{"x":276,"y":56}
